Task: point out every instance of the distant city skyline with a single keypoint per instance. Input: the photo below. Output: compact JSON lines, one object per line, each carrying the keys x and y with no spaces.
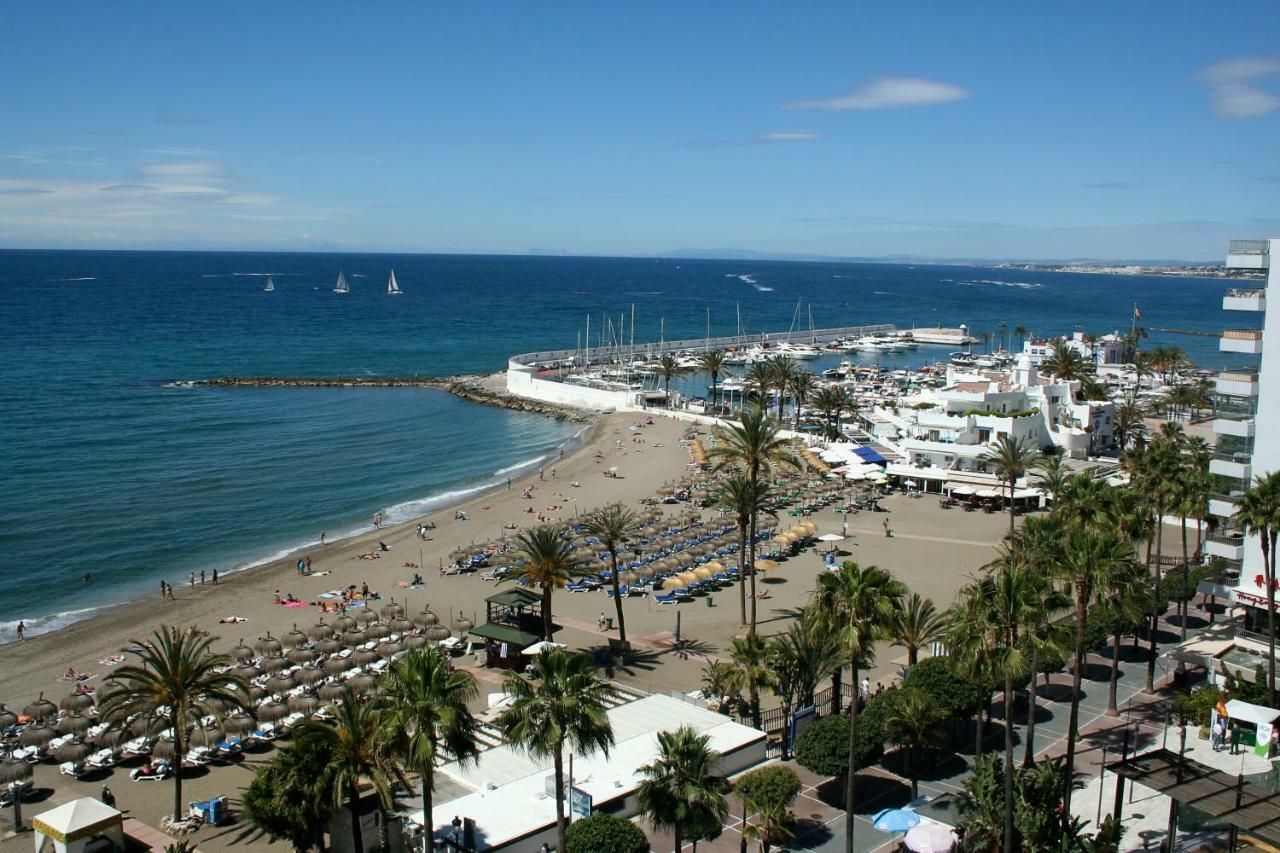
{"x":1006,"y":131}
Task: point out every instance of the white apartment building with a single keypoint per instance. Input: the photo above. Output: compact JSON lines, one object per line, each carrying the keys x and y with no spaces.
{"x":1110,"y":349}
{"x":1247,"y":418}
{"x":944,"y":433}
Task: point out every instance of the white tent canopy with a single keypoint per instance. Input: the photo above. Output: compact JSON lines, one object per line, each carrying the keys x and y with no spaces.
{"x":71,"y":826}
{"x":1245,"y":712}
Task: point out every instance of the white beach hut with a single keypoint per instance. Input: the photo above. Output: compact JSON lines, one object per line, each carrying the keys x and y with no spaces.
{"x":73,"y":826}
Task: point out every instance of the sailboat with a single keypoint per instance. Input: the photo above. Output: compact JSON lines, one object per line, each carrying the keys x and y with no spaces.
{"x":270,"y":285}
{"x":341,"y":286}
{"x":393,"y":289}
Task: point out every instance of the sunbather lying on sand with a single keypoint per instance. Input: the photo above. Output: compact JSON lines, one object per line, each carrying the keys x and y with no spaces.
{"x":232,"y":620}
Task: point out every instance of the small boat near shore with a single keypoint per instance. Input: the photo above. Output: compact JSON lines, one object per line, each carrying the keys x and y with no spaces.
{"x":393,"y":289}
{"x":341,"y":286}
{"x":271,"y":286}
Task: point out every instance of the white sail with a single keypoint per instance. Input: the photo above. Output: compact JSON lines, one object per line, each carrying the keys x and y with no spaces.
{"x":393,"y":289}
{"x":270,"y":285}
{"x":341,"y":286}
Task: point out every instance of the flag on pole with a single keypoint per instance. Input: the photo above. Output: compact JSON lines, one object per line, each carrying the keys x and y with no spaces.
{"x":1221,"y":708}
{"x":1137,"y":315}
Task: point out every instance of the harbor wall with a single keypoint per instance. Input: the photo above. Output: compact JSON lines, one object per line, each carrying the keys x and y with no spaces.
{"x":534,"y":375}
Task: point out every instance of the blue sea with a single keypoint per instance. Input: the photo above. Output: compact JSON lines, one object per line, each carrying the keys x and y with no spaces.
{"x":113,"y":467}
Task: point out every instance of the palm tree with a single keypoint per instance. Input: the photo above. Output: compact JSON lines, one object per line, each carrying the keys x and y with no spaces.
{"x":1153,"y":471}
{"x":917,"y":624}
{"x":782,"y":370}
{"x":803,"y":385}
{"x":177,"y":681}
{"x":1023,"y":333}
{"x":667,"y":368}
{"x":752,"y":670}
{"x":986,"y":341}
{"x":612,"y":524}
{"x":1051,"y":474}
{"x":564,"y":704}
{"x":1128,"y":511}
{"x":1259,"y":515}
{"x":1064,"y":363}
{"x":424,"y":708}
{"x":828,"y":400}
{"x":745,"y":499}
{"x":712,"y":362}
{"x":1011,"y":457}
{"x":859,"y":605}
{"x":680,"y":789}
{"x":1129,"y":422}
{"x":549,"y":563}
{"x":359,"y":753}
{"x":911,"y":722}
{"x":759,"y":380}
{"x":1092,"y":389}
{"x":801,"y":658}
{"x":1089,"y":560}
{"x":755,"y":446}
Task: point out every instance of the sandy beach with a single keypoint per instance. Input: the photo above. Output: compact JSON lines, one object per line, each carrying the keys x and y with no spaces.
{"x":933,"y":550}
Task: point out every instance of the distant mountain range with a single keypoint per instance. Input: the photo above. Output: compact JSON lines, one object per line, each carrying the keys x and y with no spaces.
{"x":755,"y":255}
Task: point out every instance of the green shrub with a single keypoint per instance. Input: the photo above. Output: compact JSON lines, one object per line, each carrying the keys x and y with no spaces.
{"x":604,"y":833}
{"x":824,"y":746}
{"x":768,"y":788}
{"x":957,"y":697}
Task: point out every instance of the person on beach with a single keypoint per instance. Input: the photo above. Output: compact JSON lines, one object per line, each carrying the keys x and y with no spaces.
{"x":553,"y":473}
{"x":508,"y":484}
{"x":308,"y":559}
{"x":193,"y":580}
{"x":377,"y":521}
{"x":22,"y":630}
{"x":169,"y":588}
{"x":88,"y":578}
{"x":202,"y":577}
{"x":321,"y":537}
{"x":887,"y":532}
{"x":541,"y":476}
{"x":215,"y":577}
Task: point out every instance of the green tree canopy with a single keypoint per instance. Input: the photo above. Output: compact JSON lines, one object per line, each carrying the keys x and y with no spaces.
{"x":604,"y":833}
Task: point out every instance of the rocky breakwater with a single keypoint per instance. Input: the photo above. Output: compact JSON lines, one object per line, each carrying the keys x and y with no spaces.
{"x":488,"y":389}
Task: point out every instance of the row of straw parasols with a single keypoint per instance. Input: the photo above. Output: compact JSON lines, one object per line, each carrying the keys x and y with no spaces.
{"x":798,"y":532}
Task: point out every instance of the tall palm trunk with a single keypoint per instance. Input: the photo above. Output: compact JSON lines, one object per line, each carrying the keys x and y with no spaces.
{"x":1012,"y":480}
{"x":742,"y":574}
{"x":850,"y":777}
{"x":353,"y":803}
{"x":979,"y":730}
{"x":428,"y":782}
{"x":679,"y":839}
{"x":715,"y":398}
{"x":1113,"y":709}
{"x":178,"y":753}
{"x":1029,"y":755}
{"x":617,"y":597}
{"x":751,"y":546}
{"x":559,"y":763}
{"x":1008,"y":760}
{"x":835,"y":689}
{"x":1073,"y":721}
{"x":546,"y":611}
{"x":1186,"y":599}
{"x":1269,"y":567}
{"x":1155,"y":602}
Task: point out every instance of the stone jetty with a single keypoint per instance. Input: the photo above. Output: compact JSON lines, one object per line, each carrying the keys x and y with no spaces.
{"x":488,"y":389}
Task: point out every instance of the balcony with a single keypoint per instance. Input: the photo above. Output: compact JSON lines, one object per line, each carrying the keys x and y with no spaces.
{"x":1245,"y":299}
{"x":1248,"y":254}
{"x":1246,"y":341}
{"x":1224,"y":504}
{"x":1228,"y":546}
{"x":1241,"y":382}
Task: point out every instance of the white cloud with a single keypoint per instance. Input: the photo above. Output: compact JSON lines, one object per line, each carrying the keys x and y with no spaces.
{"x":884,"y":92}
{"x":789,"y":136}
{"x":1232,"y":86}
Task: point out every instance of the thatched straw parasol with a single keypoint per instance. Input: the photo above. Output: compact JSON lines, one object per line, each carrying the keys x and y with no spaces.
{"x":319,"y":631}
{"x":332,"y":691}
{"x":41,"y":709}
{"x":334,"y":666}
{"x":274,"y":664}
{"x":377,"y":630}
{"x":301,"y":655}
{"x":12,"y":770}
{"x":365,"y":616}
{"x":361,"y":683}
{"x":343,"y":623}
{"x":239,"y":723}
{"x":387,"y":648}
{"x":74,"y":724}
{"x":36,"y":734}
{"x":328,"y":646}
{"x":354,"y":638}
{"x":704,"y":573}
{"x":304,"y":702}
{"x":269,"y":712}
{"x":426,"y":619}
{"x":293,"y":639}
{"x":165,"y":749}
{"x":268,"y":645}
{"x":74,"y":751}
{"x":308,"y":674}
{"x":246,"y":673}
{"x":280,"y":684}
{"x":436,"y":633}
{"x":7,"y":717}
{"x":363,"y":657}
{"x":673,"y":582}
{"x":76,"y":702}
{"x":242,"y":652}
{"x":206,"y":735}
{"x":415,"y":641}
{"x":391,"y":610}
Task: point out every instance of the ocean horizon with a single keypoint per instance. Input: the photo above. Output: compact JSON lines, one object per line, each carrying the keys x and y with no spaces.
{"x":120,"y":469}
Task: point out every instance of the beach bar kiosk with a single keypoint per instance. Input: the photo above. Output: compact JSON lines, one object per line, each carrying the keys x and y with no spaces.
{"x":79,"y":826}
{"x":513,"y":622}
{"x":1252,"y":726}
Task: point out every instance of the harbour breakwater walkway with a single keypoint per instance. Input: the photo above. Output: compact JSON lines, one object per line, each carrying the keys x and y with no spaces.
{"x":488,"y":389}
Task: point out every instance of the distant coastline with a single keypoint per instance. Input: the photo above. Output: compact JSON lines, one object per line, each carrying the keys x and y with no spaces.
{"x":1189,"y":271}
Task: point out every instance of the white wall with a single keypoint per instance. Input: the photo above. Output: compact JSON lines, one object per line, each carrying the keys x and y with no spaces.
{"x":1266,"y":449}
{"x":522,"y":383}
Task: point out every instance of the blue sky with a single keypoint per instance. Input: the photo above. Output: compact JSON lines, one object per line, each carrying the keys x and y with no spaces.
{"x":1028,"y":130}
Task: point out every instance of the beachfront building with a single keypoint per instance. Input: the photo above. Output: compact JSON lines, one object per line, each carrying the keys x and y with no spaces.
{"x":507,"y":797}
{"x":1108,"y":351}
{"x":942,"y":434}
{"x":1246,"y":421}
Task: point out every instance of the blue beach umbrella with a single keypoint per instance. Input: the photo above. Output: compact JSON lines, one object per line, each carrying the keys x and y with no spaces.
{"x":895,"y":820}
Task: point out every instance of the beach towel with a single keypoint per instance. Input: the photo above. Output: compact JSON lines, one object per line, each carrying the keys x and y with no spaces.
{"x":317,"y":574}
{"x":112,"y":660}
{"x":295,"y":604}
{"x":330,"y":594}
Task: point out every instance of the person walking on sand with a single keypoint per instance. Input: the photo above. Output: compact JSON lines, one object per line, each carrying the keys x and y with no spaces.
{"x":215,"y":577}
{"x":202,"y":577}
{"x":22,"y":630}
{"x":887,"y":532}
{"x":193,"y":580}
{"x":542,"y":474}
{"x":377,"y":521}
{"x":508,"y":484}
{"x":321,"y":537}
